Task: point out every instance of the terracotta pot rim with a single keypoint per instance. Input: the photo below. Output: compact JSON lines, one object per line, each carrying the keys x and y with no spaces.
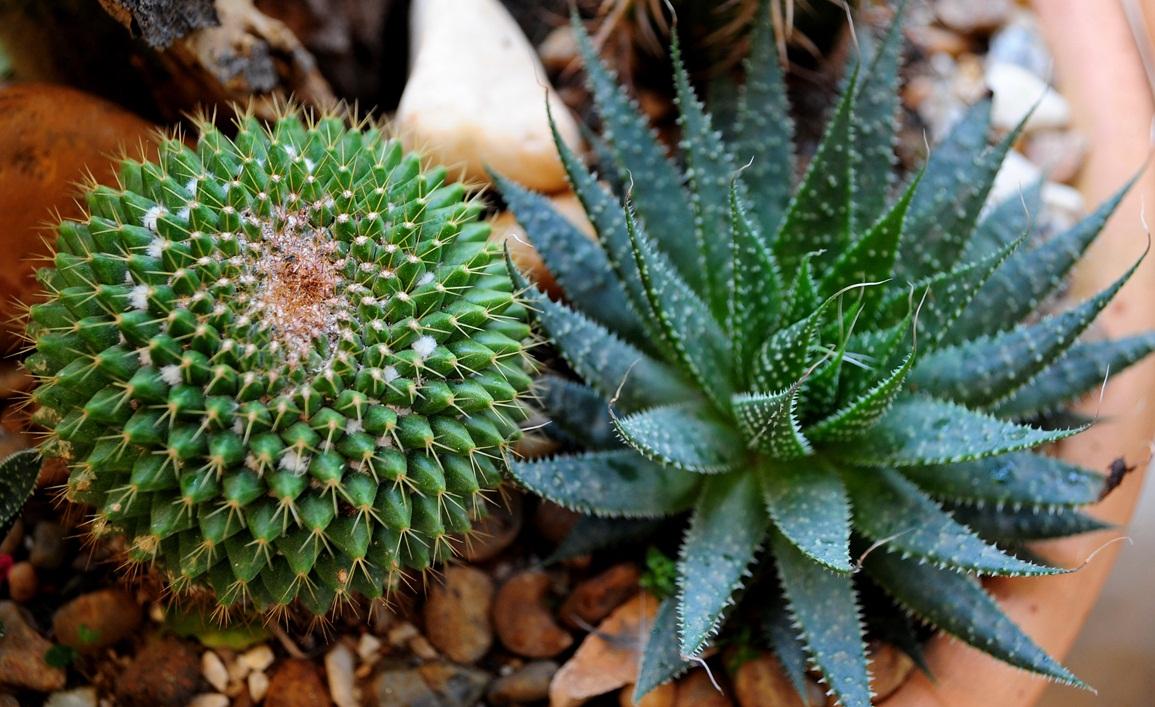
{"x":1116,"y":116}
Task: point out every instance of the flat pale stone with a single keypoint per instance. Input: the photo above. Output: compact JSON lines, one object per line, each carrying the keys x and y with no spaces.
{"x":476,"y":96}
{"x":1016,"y":90}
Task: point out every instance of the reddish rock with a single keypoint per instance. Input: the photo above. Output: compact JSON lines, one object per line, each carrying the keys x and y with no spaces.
{"x":523,"y":620}
{"x":96,"y":620}
{"x":165,"y":671}
{"x":594,"y":599}
{"x":297,"y":683}
{"x":457,"y":614}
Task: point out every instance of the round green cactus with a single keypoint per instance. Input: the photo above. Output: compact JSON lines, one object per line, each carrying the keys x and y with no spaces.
{"x":285,"y":366}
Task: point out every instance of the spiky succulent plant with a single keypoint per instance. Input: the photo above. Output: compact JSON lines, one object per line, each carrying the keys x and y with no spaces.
{"x":816,"y":372}
{"x":286,"y":366}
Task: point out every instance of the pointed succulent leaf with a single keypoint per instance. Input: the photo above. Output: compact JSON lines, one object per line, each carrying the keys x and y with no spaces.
{"x":756,"y":288}
{"x":786,"y":355}
{"x":619,"y":483}
{"x":873,"y":352}
{"x":709,"y":170}
{"x":661,"y":659}
{"x":958,"y":177}
{"x":891,"y":510}
{"x":640,"y":158}
{"x":818,"y":216}
{"x":578,"y":264}
{"x":1013,"y":479}
{"x":685,"y":437}
{"x":982,"y":372}
{"x":18,"y":473}
{"x":871,"y":257}
{"x":577,"y":413}
{"x":808,"y":504}
{"x":609,"y":220}
{"x":947,"y":294}
{"x":804,"y":296}
{"x":919,"y":430}
{"x":783,"y":639}
{"x":873,"y":118}
{"x":686,"y":324}
{"x":765,"y":132}
{"x":1005,"y":222}
{"x":614,"y":368}
{"x":1084,"y":368}
{"x":1017,"y":288}
{"x":957,"y":604}
{"x":1025,"y":524}
{"x":725,"y":532}
{"x":722,"y":97}
{"x":769,"y":423}
{"x":858,"y":416}
{"x":826,"y":615}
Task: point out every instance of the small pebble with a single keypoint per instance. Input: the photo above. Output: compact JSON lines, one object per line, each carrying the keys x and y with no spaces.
{"x":762,"y":682}
{"x":296,"y":682}
{"x":258,"y":685}
{"x":559,"y":49}
{"x":457,"y":614}
{"x":1059,"y":153}
{"x":12,"y":540}
{"x":210,"y":699}
{"x":1020,"y":42}
{"x":339,"y":670}
{"x":213,"y":668}
{"x":164,"y":671}
{"x":664,"y":695}
{"x":22,"y":651}
{"x":594,"y":599}
{"x":368,"y":647}
{"x":1016,"y":91}
{"x":80,"y":697}
{"x":696,"y":690}
{"x":257,"y":658}
{"x":47,"y":550}
{"x":97,"y":620}
{"x":22,"y":582}
{"x":971,"y":16}
{"x":422,"y":648}
{"x":523,"y":620}
{"x":401,"y":634}
{"x":526,"y":684}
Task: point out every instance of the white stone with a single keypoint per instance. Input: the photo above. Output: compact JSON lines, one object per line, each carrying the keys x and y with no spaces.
{"x":258,"y":685}
{"x":342,"y":682}
{"x":80,"y":697}
{"x":213,"y":668}
{"x":209,"y":699}
{"x":368,"y":647}
{"x":1017,"y":90}
{"x":1066,"y":200}
{"x":1016,"y":175}
{"x":476,"y":96}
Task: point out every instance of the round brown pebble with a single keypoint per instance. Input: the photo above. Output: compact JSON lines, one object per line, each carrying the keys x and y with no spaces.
{"x":457,"y":614}
{"x":528,"y":683}
{"x":165,"y":671}
{"x":761,"y":682}
{"x":594,"y":599}
{"x":664,"y":695}
{"x":22,"y":582}
{"x":696,"y":690}
{"x":96,"y":620}
{"x":523,"y":620}
{"x":297,"y":683}
{"x":22,"y":651}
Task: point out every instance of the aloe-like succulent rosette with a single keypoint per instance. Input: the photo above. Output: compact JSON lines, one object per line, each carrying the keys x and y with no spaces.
{"x":837,"y":375}
{"x":286,"y":366}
